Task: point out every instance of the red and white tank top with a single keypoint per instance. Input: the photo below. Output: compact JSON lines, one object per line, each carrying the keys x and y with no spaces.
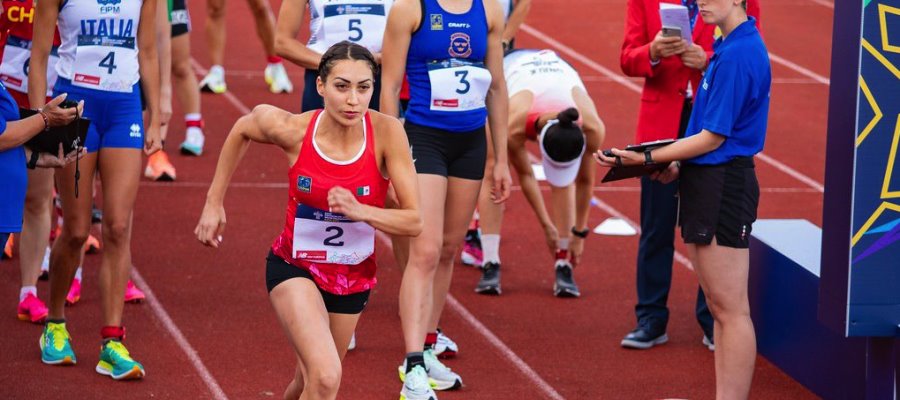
{"x":338,"y":252}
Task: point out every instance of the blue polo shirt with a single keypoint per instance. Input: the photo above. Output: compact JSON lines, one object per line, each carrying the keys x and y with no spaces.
{"x":13,"y":177}
{"x":733,"y":98}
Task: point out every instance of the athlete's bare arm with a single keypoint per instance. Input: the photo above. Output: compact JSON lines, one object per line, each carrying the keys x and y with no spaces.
{"x":516,"y":19}
{"x":402,"y":20}
{"x":497,"y":102}
{"x":395,"y":162}
{"x":149,"y":70}
{"x":46,"y":12}
{"x":290,"y":20}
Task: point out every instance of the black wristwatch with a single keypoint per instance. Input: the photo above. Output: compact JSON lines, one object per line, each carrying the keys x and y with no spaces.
{"x":648,"y":159}
{"x":32,"y":162}
{"x":582,"y":234}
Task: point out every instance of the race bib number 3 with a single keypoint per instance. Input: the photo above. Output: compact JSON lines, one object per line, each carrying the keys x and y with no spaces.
{"x":458,"y":85}
{"x":105,"y":63}
{"x":324,"y":237}
{"x":362,"y":24}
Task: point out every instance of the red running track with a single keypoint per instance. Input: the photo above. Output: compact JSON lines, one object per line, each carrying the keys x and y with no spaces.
{"x":209,"y":331}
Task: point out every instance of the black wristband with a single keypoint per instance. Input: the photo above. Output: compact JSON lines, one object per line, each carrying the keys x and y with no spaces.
{"x":582,"y":234}
{"x":648,"y":159}
{"x":32,"y":162}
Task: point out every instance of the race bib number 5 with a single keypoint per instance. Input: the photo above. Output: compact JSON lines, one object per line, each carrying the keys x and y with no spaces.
{"x":324,"y":237}
{"x":362,"y":24}
{"x":105,"y":63}
{"x":458,"y":85}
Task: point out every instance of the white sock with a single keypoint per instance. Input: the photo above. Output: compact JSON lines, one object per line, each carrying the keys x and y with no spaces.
{"x":193,"y":117}
{"x":78,"y":273}
{"x":217,"y":69}
{"x":490,"y":248}
{"x":563,"y":244}
{"x":25,"y":291}
{"x":45,"y":263}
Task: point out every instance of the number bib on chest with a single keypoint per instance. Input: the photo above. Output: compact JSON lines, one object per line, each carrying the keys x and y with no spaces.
{"x":458,"y":85}
{"x":361,"y":23}
{"x":14,"y":70}
{"x":104,"y":62}
{"x":324,"y":237}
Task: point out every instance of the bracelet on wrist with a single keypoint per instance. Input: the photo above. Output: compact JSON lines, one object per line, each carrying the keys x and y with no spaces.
{"x":43,"y":115}
{"x":648,"y":158}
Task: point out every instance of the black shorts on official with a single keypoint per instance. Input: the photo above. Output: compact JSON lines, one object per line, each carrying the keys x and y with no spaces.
{"x":718,"y":201}
{"x":278,"y":270}
{"x":181,"y":19}
{"x":438,"y":152}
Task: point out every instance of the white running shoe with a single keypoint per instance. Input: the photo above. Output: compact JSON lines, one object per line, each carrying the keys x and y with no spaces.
{"x":444,"y":347}
{"x":416,"y":387}
{"x":214,"y":81}
{"x":277,"y":78}
{"x":193,"y":142}
{"x":439,"y":376}
{"x":352,"y":342}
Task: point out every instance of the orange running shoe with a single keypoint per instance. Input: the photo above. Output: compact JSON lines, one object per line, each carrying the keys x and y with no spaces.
{"x":92,"y":245}
{"x":159,"y":168}
{"x":32,"y":309}
{"x":8,"y":249}
{"x":133,"y":294}
{"x":74,"y":292}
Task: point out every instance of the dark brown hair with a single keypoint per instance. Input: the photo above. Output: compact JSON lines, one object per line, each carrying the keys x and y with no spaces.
{"x":345,"y":50}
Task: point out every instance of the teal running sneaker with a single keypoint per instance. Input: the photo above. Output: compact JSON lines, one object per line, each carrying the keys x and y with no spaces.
{"x":55,"y":346}
{"x":116,"y":363}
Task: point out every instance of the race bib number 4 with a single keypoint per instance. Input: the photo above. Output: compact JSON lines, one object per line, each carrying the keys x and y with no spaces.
{"x":16,"y":59}
{"x":458,"y":85}
{"x":362,"y":24}
{"x":105,"y":63}
{"x":324,"y":237}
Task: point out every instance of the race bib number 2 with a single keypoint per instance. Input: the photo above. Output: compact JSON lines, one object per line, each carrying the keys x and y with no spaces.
{"x":105,"y":63}
{"x":458,"y":85}
{"x":324,"y":237}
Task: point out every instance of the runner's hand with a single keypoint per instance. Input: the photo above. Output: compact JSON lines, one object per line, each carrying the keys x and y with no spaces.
{"x":152,"y":141}
{"x":57,"y":116}
{"x":551,"y":235}
{"x":502,"y":183}
{"x":211,"y":226}
{"x":342,"y":201}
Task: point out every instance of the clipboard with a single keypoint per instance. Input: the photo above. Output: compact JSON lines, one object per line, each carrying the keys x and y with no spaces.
{"x":71,"y":136}
{"x":633,"y":171}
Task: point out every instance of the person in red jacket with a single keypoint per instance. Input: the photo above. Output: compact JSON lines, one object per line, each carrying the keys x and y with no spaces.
{"x":672,"y":68}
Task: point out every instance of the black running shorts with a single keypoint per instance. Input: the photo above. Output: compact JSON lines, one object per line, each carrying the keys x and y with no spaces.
{"x":718,"y":201}
{"x":181,"y":19}
{"x":456,"y":154}
{"x":278,"y":270}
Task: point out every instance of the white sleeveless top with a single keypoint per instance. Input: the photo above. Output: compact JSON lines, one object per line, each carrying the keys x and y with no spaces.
{"x":547,"y":76}
{"x":359,"y":21}
{"x":507,"y":6}
{"x":99,"y":43}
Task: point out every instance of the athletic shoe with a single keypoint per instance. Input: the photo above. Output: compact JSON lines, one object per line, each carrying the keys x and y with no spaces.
{"x":642,"y":338}
{"x":45,"y":265}
{"x":277,"y":79}
{"x":417,"y":387}
{"x":74,"y":292}
{"x":708,"y":342}
{"x":490,"y":279}
{"x":352,"y":342}
{"x":565,"y":284}
{"x":471,"y":253}
{"x":32,"y":309}
{"x":214,"y":81}
{"x":444,"y":347}
{"x":439,"y":376}
{"x":115,"y":362}
{"x":193,"y":142}
{"x":56,"y":348}
{"x":92,"y":244}
{"x":159,"y":168}
{"x":8,"y":249}
{"x":133,"y":294}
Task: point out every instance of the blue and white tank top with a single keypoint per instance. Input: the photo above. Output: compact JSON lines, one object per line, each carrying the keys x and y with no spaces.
{"x":359,"y":21}
{"x":99,"y":43}
{"x":448,"y":81}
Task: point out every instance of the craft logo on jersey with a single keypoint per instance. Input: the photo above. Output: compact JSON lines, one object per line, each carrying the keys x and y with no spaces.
{"x":460,"y":45}
{"x":304,"y":184}
{"x":135,"y":131}
{"x":437,"y":22}
{"x":363,"y":191}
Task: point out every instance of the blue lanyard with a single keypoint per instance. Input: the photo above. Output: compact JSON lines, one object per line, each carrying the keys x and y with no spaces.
{"x":693,"y":10}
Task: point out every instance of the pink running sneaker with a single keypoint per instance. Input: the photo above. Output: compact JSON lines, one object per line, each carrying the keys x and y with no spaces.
{"x":74,"y":292}
{"x":471,"y":253}
{"x":32,"y":309}
{"x":133,"y":294}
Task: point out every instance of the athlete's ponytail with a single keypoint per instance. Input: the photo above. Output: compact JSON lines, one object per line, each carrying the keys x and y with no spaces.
{"x":345,"y":50}
{"x":563,"y":140}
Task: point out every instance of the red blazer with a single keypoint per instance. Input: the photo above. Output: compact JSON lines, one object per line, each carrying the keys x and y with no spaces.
{"x":666,"y":84}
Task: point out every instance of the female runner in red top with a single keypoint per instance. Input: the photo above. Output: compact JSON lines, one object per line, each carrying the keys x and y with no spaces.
{"x":321,"y":268}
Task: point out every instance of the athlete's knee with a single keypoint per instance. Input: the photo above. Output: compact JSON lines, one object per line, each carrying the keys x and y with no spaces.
{"x":215,"y":9}
{"x":38,"y":204}
{"x":73,"y":235}
{"x":259,"y":8}
{"x":325,"y":380}
{"x":181,"y":68}
{"x":424,"y":257}
{"x":448,"y":251}
{"x":116,"y":232}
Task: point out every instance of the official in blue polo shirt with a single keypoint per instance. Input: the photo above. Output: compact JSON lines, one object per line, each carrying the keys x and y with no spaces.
{"x":718,"y":187}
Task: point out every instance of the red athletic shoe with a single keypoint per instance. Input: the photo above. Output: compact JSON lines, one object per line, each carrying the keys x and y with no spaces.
{"x":133,"y":294}
{"x":74,"y":292}
{"x":32,"y":309}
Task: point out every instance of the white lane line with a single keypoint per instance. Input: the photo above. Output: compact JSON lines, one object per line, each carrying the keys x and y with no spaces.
{"x":485,"y":332}
{"x":176,"y":334}
{"x":801,"y":70}
{"x":479,"y":327}
{"x":637,"y":89}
